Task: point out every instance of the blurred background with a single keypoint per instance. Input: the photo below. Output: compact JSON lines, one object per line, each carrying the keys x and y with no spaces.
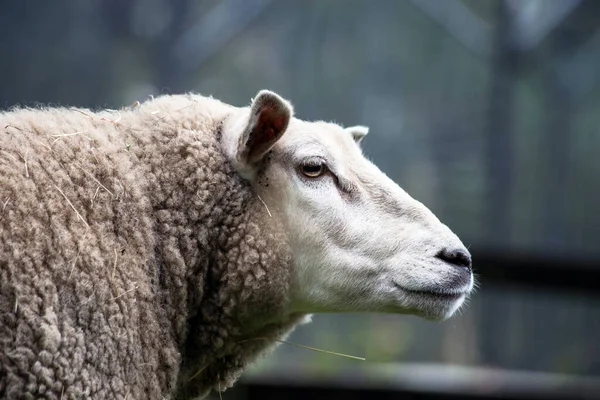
{"x":485,"y":110}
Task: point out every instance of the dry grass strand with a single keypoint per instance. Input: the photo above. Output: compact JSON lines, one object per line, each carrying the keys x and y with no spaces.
{"x":95,"y":194}
{"x":74,"y":262}
{"x":5,"y":203}
{"x":321,"y":351}
{"x":125,"y":292}
{"x":95,"y":180}
{"x":82,"y":112}
{"x":265,"y":204}
{"x":24,"y":158}
{"x":69,"y":134}
{"x":307,"y":348}
{"x":114,"y":265}
{"x":219,"y":387}
{"x":12,"y":126}
{"x":72,"y":206}
{"x":197,"y":373}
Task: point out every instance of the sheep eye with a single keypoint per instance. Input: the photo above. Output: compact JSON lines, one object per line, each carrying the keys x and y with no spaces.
{"x":313,"y":170}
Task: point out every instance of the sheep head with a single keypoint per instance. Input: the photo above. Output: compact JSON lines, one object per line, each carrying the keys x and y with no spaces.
{"x":359,"y":242}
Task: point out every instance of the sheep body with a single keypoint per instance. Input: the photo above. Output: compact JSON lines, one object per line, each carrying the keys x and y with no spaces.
{"x":134,"y":261}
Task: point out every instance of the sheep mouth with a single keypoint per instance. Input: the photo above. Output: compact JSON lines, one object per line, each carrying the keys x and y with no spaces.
{"x":433,"y":294}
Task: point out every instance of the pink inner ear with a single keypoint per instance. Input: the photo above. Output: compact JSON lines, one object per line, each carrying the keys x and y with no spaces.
{"x":269,"y":125}
{"x":279,"y":123}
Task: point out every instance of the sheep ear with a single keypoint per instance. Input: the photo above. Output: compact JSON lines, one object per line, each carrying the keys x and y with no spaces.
{"x":269,"y":118}
{"x":358,"y":132}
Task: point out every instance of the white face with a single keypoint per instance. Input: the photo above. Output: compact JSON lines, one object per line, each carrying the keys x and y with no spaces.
{"x":359,"y":242}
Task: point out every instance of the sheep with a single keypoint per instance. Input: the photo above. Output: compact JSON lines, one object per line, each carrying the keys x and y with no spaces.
{"x":155,"y":251}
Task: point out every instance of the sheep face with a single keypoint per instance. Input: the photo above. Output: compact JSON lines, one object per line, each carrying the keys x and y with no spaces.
{"x":359,"y":242}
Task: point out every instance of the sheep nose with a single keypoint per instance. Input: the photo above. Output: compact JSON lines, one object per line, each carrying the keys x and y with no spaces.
{"x":458,"y":257}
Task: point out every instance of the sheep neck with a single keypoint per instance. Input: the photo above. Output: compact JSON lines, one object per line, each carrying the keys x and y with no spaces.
{"x":222,"y":263}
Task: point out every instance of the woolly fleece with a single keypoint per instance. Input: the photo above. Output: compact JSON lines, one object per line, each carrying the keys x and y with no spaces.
{"x":134,"y":262}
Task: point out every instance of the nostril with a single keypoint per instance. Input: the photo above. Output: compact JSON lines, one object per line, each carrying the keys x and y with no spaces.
{"x":458,"y":257}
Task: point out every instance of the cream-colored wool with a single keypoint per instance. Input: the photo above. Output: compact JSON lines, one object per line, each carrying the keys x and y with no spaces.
{"x":131,"y":255}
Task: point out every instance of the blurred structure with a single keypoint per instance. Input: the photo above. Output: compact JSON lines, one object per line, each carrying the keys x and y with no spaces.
{"x":485,"y":110}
